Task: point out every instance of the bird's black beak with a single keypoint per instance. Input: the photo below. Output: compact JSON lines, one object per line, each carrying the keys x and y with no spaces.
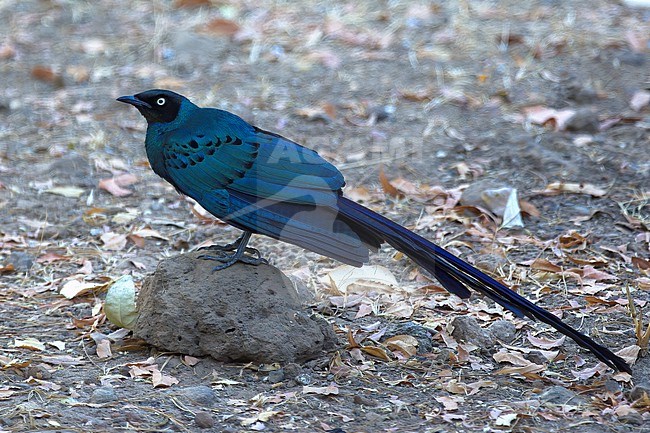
{"x":133,"y":100}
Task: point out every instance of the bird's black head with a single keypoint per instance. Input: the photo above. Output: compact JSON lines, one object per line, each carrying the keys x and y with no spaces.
{"x":156,"y":105}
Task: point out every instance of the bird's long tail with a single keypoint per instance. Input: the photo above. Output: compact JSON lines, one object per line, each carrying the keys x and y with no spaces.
{"x":457,"y":276}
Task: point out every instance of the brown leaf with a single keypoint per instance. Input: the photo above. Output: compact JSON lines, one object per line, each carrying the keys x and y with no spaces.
{"x":51,"y":257}
{"x":511,"y":357}
{"x":191,"y":3}
{"x":104,"y":349}
{"x":377,"y":352}
{"x":221,"y":27}
{"x":449,"y":403}
{"x":420,"y":95}
{"x":113,"y":241}
{"x":387,"y":186}
{"x":640,"y":263}
{"x":546,"y":266}
{"x":47,"y":74}
{"x":406,"y":344}
{"x":529,"y":209}
{"x":7,"y":51}
{"x":7,"y":269}
{"x":529,"y":369}
{"x":556,"y":188}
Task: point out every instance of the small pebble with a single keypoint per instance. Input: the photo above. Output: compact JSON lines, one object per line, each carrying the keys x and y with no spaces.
{"x":22,"y":261}
{"x":537,"y":357}
{"x":639,"y":390}
{"x":204,"y":419}
{"x":503,"y":330}
{"x":634,"y":418}
{"x":202,"y":395}
{"x":560,"y":395}
{"x":276,"y":376}
{"x":303,"y":379}
{"x":103,"y":394}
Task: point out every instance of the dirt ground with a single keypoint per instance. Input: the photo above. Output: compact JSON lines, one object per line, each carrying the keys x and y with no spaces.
{"x":441,"y":96}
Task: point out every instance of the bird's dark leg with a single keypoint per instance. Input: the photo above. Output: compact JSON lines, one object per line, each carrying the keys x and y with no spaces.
{"x":232,"y":246}
{"x":240,"y":248}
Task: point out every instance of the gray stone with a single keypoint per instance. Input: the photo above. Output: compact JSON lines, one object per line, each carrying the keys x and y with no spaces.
{"x":634,"y":418}
{"x":422,"y":334}
{"x":204,"y":420}
{"x":72,"y":169}
{"x":21,"y":261}
{"x":467,"y":329}
{"x":639,"y":391}
{"x":276,"y":376}
{"x":242,"y":313}
{"x":103,"y":394}
{"x":560,"y":395}
{"x":584,"y":120}
{"x":303,"y":379}
{"x":536,"y":357}
{"x":201,"y":395}
{"x":503,"y":330}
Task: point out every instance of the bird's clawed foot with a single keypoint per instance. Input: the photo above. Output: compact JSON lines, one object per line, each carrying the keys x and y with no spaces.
{"x":240,"y":254}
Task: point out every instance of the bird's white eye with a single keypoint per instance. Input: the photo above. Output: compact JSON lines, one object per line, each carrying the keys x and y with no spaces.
{"x":161,"y":101}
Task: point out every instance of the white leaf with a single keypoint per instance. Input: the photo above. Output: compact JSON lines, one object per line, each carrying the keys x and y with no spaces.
{"x":348,"y":279}
{"x":66,"y":191}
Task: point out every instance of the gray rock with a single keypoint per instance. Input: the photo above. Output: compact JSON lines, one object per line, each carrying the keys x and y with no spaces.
{"x":242,"y":313}
{"x":103,"y":394}
{"x":560,"y":395}
{"x":639,"y":390}
{"x":503,"y":330}
{"x":422,"y":334}
{"x":467,"y":329}
{"x":584,"y":120}
{"x":276,"y":376}
{"x":201,"y":395}
{"x":536,"y":357}
{"x":21,"y":261}
{"x":634,"y":418}
{"x":445,"y":355}
{"x":204,"y":420}
{"x":72,"y":169}
{"x":303,"y":379}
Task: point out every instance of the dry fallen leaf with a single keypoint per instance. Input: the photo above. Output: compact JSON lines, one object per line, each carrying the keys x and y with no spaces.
{"x":221,"y":27}
{"x":113,"y":241}
{"x":47,"y":74}
{"x":556,"y":188}
{"x":541,"y":115}
{"x":331,"y":389}
{"x":388,"y":187}
{"x":66,"y":191}
{"x":348,"y":279}
{"x":160,"y":380}
{"x":511,"y":357}
{"x":545,"y":343}
{"x":377,"y":352}
{"x":103,"y":349}
{"x":406,"y":344}
{"x":115,"y":185}
{"x":75,"y":288}
{"x":29,"y":343}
